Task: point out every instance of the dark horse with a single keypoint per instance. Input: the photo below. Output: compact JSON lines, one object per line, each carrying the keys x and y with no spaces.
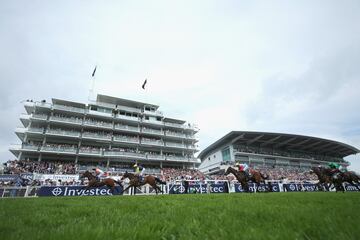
{"x":93,"y":182}
{"x":323,"y":176}
{"x":329,"y":176}
{"x":135,"y":182}
{"x":351,"y":178}
{"x":256,"y":177}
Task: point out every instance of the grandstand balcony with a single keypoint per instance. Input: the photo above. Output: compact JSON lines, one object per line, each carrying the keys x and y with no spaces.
{"x":127,"y":128}
{"x":25,"y":119}
{"x":107,"y":115}
{"x":155,"y":113}
{"x":96,"y":136}
{"x":57,"y":119}
{"x":125,"y":139}
{"x":27,"y":147}
{"x":175,"y":134}
{"x":152,"y":142}
{"x":152,"y":131}
{"x":175,"y":125}
{"x":155,"y":156}
{"x":176,"y":158}
{"x":90,"y":151}
{"x":192,"y":138}
{"x":62,"y":133}
{"x":38,"y":116}
{"x":175,"y":145}
{"x":110,"y":153}
{"x":128,"y":118}
{"x":152,"y":122}
{"x":69,"y":108}
{"x":35,"y":130}
{"x":58,"y":149}
{"x":191,"y":147}
{"x":106,"y":125}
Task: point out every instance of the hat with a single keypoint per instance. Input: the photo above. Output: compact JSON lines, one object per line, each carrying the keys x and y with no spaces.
{"x":135,"y":165}
{"x":237,"y":164}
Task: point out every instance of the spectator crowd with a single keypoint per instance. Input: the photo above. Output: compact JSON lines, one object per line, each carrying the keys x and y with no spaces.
{"x":167,"y":174}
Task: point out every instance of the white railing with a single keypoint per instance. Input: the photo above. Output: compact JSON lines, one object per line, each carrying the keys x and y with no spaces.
{"x":126,"y":127}
{"x":159,"y":113}
{"x":89,"y":151}
{"x":29,"y":147}
{"x":39,"y":116}
{"x":153,"y":131}
{"x":170,"y":144}
{"x":155,"y":156}
{"x":95,"y":135}
{"x":174,"y":125}
{"x":152,"y":142}
{"x":120,"y":153}
{"x":191,"y":147}
{"x":63,"y":132}
{"x":177,"y":158}
{"x":127,"y":117}
{"x":63,"y":119}
{"x":104,"y":114}
{"x":69,"y":108}
{"x":58,"y":149}
{"x":43,"y":104}
{"x":175,"y":134}
{"x":37,"y":130}
{"x":153,"y":122}
{"x":126,"y":139}
{"x":97,"y":124}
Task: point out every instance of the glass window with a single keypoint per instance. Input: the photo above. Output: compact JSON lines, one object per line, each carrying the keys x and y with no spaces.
{"x":226,"y":154}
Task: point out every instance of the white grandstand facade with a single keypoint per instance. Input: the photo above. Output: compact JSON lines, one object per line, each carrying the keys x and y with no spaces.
{"x":263,"y":149}
{"x":109,"y":131}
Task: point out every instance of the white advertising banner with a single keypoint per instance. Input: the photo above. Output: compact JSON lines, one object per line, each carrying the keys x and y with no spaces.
{"x":56,"y":177}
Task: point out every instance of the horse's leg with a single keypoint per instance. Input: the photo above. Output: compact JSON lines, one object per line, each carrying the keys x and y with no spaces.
{"x":126,"y":189}
{"x":112,"y":188}
{"x":156,"y":190}
{"x":245,"y":186}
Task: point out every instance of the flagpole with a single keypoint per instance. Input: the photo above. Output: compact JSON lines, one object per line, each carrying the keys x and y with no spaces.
{"x":92,"y":85}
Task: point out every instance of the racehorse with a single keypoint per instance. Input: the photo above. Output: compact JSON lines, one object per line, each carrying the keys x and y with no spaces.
{"x":256,"y":177}
{"x":329,"y":176}
{"x":323,"y":176}
{"x":351,"y":178}
{"x":93,"y":182}
{"x":135,"y":182}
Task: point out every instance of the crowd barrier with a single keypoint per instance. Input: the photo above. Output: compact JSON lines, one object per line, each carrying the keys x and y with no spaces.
{"x":177,"y":187}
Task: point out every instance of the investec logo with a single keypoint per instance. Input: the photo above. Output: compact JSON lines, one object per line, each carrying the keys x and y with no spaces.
{"x":66,"y":191}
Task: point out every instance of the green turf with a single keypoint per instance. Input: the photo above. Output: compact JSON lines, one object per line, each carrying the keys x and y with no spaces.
{"x":223,"y":216}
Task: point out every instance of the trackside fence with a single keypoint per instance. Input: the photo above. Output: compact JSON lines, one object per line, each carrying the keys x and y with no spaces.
{"x":175,"y":187}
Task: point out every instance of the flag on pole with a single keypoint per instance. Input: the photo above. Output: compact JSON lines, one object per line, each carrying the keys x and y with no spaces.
{"x":93,"y":74}
{"x":143,"y":86}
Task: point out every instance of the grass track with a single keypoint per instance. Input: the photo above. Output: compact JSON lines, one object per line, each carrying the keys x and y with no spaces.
{"x":223,"y":216}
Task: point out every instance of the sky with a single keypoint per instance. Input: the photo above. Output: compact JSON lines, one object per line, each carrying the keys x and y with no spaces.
{"x":276,"y":66}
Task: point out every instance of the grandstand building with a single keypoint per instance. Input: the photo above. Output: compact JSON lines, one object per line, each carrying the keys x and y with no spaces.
{"x":263,"y":149}
{"x":109,"y":132}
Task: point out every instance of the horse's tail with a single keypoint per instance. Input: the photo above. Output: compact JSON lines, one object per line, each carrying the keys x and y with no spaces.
{"x":158,"y":180}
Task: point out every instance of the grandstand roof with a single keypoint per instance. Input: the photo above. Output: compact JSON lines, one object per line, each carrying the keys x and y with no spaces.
{"x":283,"y":141}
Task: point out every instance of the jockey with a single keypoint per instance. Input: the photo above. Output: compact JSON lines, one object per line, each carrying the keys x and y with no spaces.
{"x":99,"y":173}
{"x":243,"y":167}
{"x":139,"y":170}
{"x":334,"y":168}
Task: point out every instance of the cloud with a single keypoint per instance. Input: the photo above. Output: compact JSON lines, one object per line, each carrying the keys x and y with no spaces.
{"x":280,"y":67}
